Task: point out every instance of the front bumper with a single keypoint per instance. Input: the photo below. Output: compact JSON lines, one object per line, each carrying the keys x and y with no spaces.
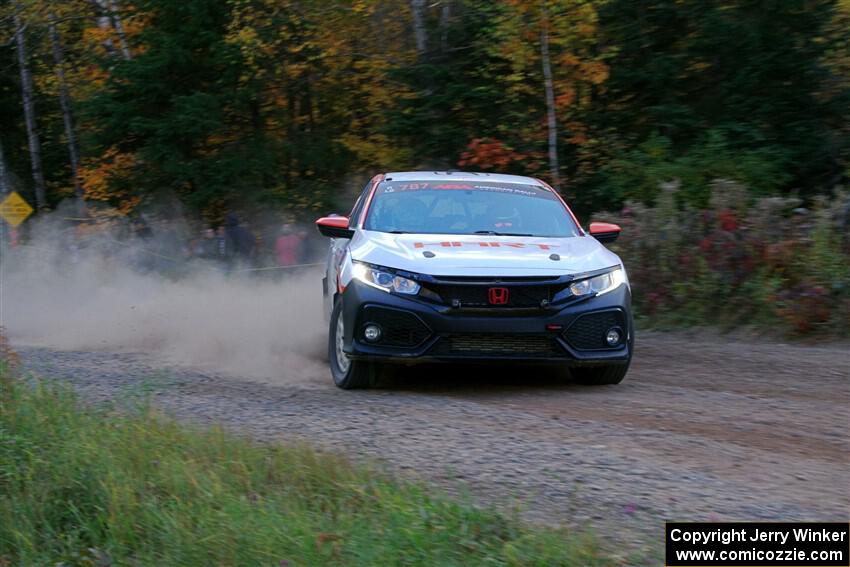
{"x":415,"y":330}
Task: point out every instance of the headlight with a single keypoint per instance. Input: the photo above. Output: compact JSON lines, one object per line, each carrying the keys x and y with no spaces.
{"x":600,"y":284}
{"x":383,"y":279}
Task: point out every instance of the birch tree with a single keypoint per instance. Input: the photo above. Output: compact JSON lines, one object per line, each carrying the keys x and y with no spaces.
{"x":417,"y":7}
{"x":109,"y":21}
{"x":551,"y":121}
{"x":556,"y":64}
{"x":65,"y":103}
{"x":29,"y":115}
{"x":115,"y":14}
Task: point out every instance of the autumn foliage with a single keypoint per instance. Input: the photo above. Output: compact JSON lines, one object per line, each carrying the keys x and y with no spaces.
{"x":488,"y":154}
{"x":288,"y":103}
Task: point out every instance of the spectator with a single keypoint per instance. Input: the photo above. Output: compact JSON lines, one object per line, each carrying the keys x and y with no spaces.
{"x":221,"y":247}
{"x":288,"y":246}
{"x":240,"y":243}
{"x":206,"y":247}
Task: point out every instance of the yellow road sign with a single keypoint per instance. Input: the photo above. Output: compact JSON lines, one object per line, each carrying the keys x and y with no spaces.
{"x":14,"y":210}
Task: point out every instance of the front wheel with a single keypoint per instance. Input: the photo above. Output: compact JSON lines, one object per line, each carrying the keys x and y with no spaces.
{"x":599,"y":375}
{"x":347,"y":374}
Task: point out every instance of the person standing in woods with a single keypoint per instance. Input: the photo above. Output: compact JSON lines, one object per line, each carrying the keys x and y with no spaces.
{"x":206,"y":247}
{"x":240,"y":243}
{"x":289,"y":246}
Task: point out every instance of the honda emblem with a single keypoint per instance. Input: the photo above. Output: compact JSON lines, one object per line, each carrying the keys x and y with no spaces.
{"x":498,"y":295}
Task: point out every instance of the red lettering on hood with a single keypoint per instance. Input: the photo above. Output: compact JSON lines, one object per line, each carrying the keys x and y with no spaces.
{"x":443,"y":244}
{"x":483,"y":244}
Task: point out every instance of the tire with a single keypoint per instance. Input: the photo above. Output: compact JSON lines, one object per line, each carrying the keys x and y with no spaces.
{"x":347,"y":374}
{"x":600,"y":375}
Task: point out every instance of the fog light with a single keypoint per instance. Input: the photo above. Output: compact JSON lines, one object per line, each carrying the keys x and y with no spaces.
{"x":613,"y":336}
{"x":372,"y":333}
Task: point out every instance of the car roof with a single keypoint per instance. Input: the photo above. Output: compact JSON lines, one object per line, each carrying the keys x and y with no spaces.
{"x":459,"y":176}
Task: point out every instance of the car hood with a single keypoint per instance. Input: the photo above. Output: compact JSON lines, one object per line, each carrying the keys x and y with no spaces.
{"x":459,"y":255}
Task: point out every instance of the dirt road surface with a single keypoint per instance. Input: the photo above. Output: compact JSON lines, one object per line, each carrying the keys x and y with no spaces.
{"x":703,"y":428}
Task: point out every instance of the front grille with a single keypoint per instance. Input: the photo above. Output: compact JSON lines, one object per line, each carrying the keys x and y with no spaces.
{"x":400,"y":328}
{"x":476,"y":295}
{"x":588,"y":331}
{"x":491,"y":344}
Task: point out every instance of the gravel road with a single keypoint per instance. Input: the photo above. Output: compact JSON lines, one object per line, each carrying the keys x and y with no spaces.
{"x":703,"y":428}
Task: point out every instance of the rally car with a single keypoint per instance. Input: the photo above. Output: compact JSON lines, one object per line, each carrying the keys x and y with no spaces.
{"x":453,"y":266}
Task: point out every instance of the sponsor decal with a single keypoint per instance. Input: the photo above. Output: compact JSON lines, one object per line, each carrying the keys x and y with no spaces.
{"x":509,"y":188}
{"x":452,"y":186}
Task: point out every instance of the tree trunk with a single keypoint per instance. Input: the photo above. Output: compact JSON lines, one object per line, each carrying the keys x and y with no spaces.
{"x":119,"y":28}
{"x":554,"y":168}
{"x":445,"y":18}
{"x":419,"y":31}
{"x":5,"y":183}
{"x":29,"y":116}
{"x":104,"y":22}
{"x":67,"y":116}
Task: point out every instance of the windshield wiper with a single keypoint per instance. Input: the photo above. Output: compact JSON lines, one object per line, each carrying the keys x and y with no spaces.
{"x":494,"y":233}
{"x":398,"y":232}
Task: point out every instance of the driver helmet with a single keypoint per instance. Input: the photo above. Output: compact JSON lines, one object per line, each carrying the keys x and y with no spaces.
{"x":504,"y":217}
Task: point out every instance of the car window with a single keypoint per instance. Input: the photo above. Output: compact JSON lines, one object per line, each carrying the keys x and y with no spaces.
{"x":358,"y":204}
{"x":468,"y":208}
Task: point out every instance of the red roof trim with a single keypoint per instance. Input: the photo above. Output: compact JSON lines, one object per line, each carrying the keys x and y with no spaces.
{"x":375,"y":180}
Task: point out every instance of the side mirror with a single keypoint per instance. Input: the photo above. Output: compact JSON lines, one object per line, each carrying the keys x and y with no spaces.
{"x":334,"y":227}
{"x":604,"y":231}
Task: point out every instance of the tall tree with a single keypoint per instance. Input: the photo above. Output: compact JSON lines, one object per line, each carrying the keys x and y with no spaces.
{"x":417,"y":8}
{"x":67,"y":115}
{"x":29,"y":115}
{"x":118,"y":24}
{"x":551,"y":120}
{"x":552,"y":49}
{"x":162,"y":115}
{"x":752,"y":71}
{"x":104,"y":22}
{"x":455,"y":94}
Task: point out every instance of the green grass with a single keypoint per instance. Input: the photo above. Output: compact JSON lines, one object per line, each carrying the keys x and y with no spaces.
{"x":86,"y":486}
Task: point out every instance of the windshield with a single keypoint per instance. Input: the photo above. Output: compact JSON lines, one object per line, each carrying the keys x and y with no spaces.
{"x":468,"y":207}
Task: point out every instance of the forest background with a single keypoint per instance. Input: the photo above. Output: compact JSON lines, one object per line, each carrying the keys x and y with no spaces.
{"x":716,"y":132}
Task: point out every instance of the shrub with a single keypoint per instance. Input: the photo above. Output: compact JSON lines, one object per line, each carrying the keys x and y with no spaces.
{"x":637,"y":175}
{"x":737,"y":261}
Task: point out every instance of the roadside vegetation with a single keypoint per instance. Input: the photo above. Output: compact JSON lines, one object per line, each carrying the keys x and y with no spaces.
{"x":769,"y":264}
{"x":95,"y":486}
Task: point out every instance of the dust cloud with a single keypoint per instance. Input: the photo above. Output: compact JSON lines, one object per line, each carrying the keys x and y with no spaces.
{"x":258,"y":325}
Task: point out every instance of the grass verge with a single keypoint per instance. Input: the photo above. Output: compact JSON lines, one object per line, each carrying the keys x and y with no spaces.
{"x":85,"y":486}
